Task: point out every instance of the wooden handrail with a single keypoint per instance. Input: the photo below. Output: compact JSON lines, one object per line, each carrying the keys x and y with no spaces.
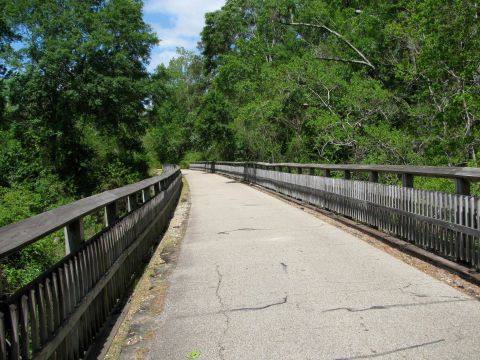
{"x":469,"y":173}
{"x":461,"y":175}
{"x":15,"y":236}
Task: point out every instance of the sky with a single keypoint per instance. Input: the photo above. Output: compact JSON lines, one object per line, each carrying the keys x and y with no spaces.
{"x":178,"y":23}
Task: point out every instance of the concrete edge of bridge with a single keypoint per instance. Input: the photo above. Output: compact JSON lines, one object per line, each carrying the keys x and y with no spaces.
{"x":469,"y":275}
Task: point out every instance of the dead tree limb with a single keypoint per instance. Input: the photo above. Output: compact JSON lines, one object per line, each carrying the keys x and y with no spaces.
{"x":364,"y":60}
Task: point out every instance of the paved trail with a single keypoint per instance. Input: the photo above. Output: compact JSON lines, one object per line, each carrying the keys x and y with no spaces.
{"x":260,"y":279}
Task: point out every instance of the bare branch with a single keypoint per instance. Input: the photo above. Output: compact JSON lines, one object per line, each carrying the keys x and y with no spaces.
{"x":322,"y":100}
{"x":364,"y":60}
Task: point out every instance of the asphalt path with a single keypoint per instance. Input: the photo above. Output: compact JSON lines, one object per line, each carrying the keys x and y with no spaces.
{"x":258,"y":278}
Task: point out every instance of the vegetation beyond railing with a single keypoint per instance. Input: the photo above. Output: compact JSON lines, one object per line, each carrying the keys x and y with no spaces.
{"x":444,"y":223}
{"x":60,"y":313}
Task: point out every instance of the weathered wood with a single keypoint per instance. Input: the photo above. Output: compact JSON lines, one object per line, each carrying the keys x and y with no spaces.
{"x":92,"y":296}
{"x":42,"y":314}
{"x":469,"y":173}
{"x":50,"y":307}
{"x":131,"y":202}
{"x":146,"y":194}
{"x":34,"y":320}
{"x":60,"y":313}
{"x":15,"y":236}
{"x":462,"y":186}
{"x":111,"y":214}
{"x":14,"y":332}
{"x":24,"y":327}
{"x":3,"y":339}
{"x":74,"y":236}
{"x":57,"y":303}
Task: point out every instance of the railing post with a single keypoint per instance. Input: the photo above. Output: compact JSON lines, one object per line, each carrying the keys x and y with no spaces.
{"x":328,"y":173}
{"x":407,"y":180}
{"x":347,"y":174}
{"x":312,"y":171}
{"x":131,"y":202}
{"x":157,"y":188}
{"x":146,"y":194}
{"x":212,"y":169}
{"x":110,"y":214}
{"x":73,"y":236}
{"x":300,"y":170}
{"x":373,"y":176}
{"x":462,"y":186}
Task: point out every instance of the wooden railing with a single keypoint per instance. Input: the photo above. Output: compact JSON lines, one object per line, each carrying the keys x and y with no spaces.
{"x":444,"y":223}
{"x":58,"y":315}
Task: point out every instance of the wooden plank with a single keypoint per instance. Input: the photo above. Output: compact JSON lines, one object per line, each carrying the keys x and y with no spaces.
{"x":57,"y":301}
{"x":477,"y":241}
{"x":50,"y":307}
{"x":24,"y":328}
{"x":42,"y":314}
{"x":111,"y":214}
{"x":3,"y":338}
{"x":470,"y":173}
{"x":14,"y":328}
{"x":63,"y":294}
{"x":74,"y":236}
{"x":34,"y":323}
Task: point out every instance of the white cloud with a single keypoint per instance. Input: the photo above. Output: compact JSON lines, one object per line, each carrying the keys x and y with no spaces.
{"x":189,"y":19}
{"x":161,"y":57}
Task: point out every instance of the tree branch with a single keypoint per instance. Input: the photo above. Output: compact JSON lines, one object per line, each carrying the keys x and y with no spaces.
{"x":320,"y":57}
{"x":364,"y":60}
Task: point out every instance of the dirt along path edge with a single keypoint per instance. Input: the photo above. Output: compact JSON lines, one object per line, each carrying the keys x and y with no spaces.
{"x":135,"y":328}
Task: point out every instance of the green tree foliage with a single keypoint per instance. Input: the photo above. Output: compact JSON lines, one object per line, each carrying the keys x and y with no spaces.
{"x":393,"y":82}
{"x":74,"y":108}
{"x":82,"y":66}
{"x":175,"y":92}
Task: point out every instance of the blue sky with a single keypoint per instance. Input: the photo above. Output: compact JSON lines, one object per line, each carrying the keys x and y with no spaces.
{"x":178,"y":23}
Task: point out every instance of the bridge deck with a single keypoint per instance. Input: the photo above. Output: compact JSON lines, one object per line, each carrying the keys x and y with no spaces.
{"x":259,"y":279}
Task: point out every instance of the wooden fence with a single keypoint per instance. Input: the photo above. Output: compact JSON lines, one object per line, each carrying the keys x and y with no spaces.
{"x":444,"y":223}
{"x":59,"y":315}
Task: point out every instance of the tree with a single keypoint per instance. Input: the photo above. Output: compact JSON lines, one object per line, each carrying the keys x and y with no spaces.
{"x":83,"y":67}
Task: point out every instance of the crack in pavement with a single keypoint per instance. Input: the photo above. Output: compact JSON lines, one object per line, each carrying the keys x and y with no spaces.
{"x":416,"y":294}
{"x":386,"y":307}
{"x":241,"y":229}
{"x":223,"y":311}
{"x":283,"y":301}
{"x":370,"y":356}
